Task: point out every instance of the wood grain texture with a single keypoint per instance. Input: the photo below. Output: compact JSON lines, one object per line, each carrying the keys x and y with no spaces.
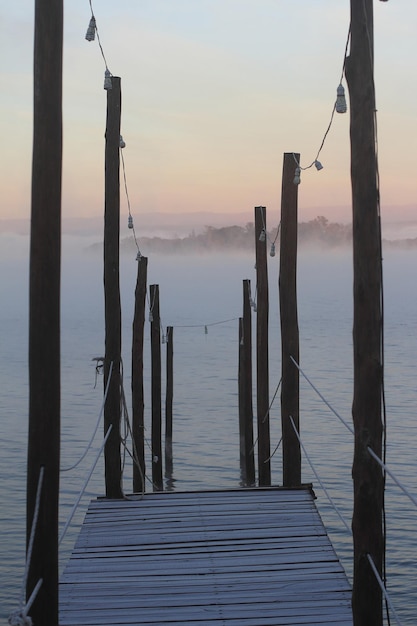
{"x":248,"y":557}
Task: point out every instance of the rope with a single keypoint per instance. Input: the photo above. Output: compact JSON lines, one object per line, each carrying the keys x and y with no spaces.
{"x":275,"y":450}
{"x":383,"y":589}
{"x":264,"y":420}
{"x":87,"y":480}
{"x":133,"y":454}
{"x":24,"y":618}
{"x":20,"y":617}
{"x":131,"y":223}
{"x":67,"y":469}
{"x":397,"y":482}
{"x":322,"y":397}
{"x":318,"y":478}
{"x":232,"y":319}
{"x":98,"y":37}
{"x":315,"y":161}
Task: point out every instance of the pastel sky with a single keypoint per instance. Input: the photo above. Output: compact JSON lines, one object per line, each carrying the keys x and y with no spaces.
{"x":213,"y":93}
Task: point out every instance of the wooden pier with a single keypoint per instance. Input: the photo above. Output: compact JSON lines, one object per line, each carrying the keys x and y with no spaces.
{"x":244,"y":557}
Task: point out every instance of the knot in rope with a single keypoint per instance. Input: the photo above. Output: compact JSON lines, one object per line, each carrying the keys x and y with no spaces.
{"x":20,"y":619}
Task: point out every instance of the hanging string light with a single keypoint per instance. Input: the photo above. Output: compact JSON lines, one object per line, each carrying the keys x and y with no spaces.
{"x":91,"y":30}
{"x":341,"y":106}
{"x":107,"y":80}
{"x":297,"y":175}
{"x":93,"y":33}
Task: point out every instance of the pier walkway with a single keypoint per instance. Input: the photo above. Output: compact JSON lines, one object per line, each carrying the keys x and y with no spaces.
{"x":244,"y":557}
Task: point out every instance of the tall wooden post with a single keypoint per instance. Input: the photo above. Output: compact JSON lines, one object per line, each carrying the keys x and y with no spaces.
{"x":291,"y":454}
{"x":44,"y":310}
{"x":169,"y":400}
{"x":247,"y":416}
{"x":157,"y":479}
{"x":113,"y":338}
{"x":262,"y":355}
{"x":138,"y":422}
{"x":241,"y":402}
{"x":368,"y":484}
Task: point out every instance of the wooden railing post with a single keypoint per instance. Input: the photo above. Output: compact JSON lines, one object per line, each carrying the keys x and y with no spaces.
{"x":169,"y":400}
{"x":291,"y":454}
{"x":112,"y":309}
{"x":247,"y":459}
{"x":368,"y":480}
{"x":262,"y":354}
{"x":138,"y":423}
{"x":157,"y":478}
{"x":241,"y":402}
{"x":44,"y":312}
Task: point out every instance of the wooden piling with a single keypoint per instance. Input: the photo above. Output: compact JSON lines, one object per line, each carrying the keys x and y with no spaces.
{"x":156,"y":445}
{"x":241,"y":400}
{"x":138,"y":404}
{"x":44,"y":310}
{"x":368,"y":481}
{"x":262,"y":355}
{"x":245,"y":390}
{"x":169,"y":400}
{"x":291,"y":454}
{"x":112,"y":309}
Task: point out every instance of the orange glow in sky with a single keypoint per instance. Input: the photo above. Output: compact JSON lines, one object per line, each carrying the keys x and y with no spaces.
{"x":213,"y":93}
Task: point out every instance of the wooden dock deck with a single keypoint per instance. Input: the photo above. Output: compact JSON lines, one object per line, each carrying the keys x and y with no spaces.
{"x":245,"y":557}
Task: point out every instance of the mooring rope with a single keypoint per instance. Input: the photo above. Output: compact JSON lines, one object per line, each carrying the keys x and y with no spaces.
{"x":133,"y":454}
{"x":67,"y":469}
{"x":322,"y":397}
{"x":205,"y":326}
{"x":20,"y":617}
{"x":274,"y":452}
{"x":383,"y":588}
{"x":265,"y":417}
{"x":394,"y":478}
{"x":87,"y":480}
{"x":318,"y":477}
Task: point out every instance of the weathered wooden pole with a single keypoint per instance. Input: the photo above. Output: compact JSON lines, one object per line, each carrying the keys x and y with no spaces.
{"x":368,"y":482}
{"x":156,"y":437}
{"x":138,"y":404}
{"x":241,"y":402}
{"x":291,"y":454}
{"x":249,"y":457}
{"x":262,"y":354}
{"x":112,"y":311}
{"x":169,"y":400}
{"x":44,"y":311}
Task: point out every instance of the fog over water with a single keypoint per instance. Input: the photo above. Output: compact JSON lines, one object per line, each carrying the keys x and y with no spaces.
{"x":199,"y":291}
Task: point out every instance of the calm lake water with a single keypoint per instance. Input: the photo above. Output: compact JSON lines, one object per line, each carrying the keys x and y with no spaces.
{"x":198,"y":292}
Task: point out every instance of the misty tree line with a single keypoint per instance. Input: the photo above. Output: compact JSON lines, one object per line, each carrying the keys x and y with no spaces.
{"x":319,"y":232}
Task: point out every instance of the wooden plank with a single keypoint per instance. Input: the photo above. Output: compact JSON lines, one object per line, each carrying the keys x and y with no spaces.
{"x":242,"y":557}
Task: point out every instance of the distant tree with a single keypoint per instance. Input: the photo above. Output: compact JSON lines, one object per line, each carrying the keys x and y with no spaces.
{"x":317,"y":231}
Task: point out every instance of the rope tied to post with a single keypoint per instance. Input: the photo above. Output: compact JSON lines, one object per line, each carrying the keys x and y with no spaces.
{"x":21,"y":617}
